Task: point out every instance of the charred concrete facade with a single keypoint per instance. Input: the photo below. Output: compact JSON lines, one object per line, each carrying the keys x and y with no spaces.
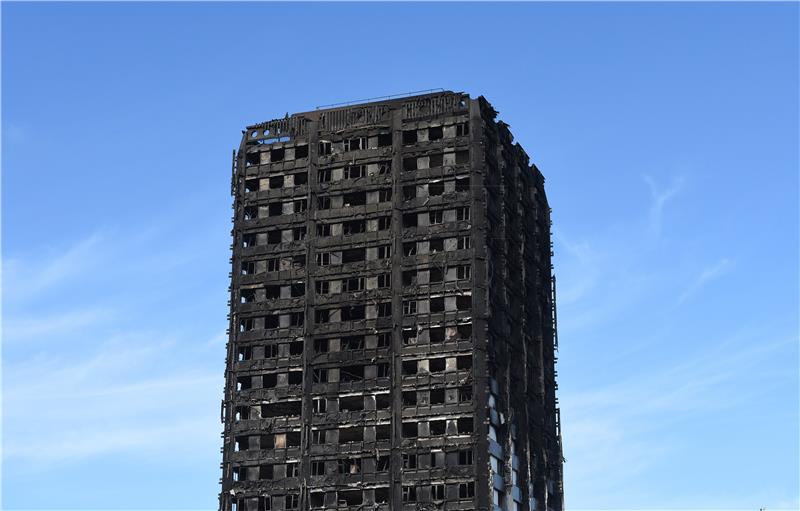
{"x":392,"y":325}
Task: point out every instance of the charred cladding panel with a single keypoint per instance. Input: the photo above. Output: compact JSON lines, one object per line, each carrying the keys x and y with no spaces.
{"x":392,"y":325}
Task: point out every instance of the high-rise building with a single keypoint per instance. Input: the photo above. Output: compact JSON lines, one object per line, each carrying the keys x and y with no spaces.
{"x":392,"y":323}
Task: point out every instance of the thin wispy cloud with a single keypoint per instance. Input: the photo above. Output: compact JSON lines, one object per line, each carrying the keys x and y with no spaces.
{"x":707,"y":275}
{"x":660,"y":196}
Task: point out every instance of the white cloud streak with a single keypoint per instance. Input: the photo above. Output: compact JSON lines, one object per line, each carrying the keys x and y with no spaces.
{"x":707,"y":275}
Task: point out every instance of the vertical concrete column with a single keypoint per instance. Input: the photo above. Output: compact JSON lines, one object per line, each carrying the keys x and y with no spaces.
{"x":397,"y":309}
{"x":308,"y":323}
{"x":480,"y":304}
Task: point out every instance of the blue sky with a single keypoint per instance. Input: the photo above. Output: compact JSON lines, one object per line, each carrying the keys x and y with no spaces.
{"x":668,"y":134}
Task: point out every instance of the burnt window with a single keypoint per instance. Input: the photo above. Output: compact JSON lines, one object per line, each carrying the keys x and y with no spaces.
{"x":409,"y":137}
{"x":276,"y":182}
{"x":410,"y":220}
{"x":301,"y":151}
{"x":355,"y":171}
{"x":352,"y":342}
{"x":298,"y":290}
{"x":347,"y":435}
{"x":384,"y":251}
{"x":320,"y":375}
{"x":437,"y":365}
{"x":436,"y":335}
{"x":385,"y":195}
{"x":435,"y":188}
{"x":353,"y":255}
{"x":462,"y":157}
{"x":435,"y":274}
{"x":436,"y":245}
{"x":354,"y":199}
{"x":409,"y":367}
{"x":437,"y":396}
{"x":462,"y":184}
{"x":465,"y":425}
{"x":410,"y":248}
{"x":464,"y":362}
{"x":249,"y":240}
{"x":323,"y":203}
{"x":270,"y":380}
{"x":383,"y":432}
{"x":277,"y":154}
{"x":436,"y":160}
{"x":384,"y":340}
{"x":437,"y":304}
{"x":355,"y":144}
{"x":281,"y":408}
{"x":251,"y":212}
{"x":410,"y":164}
{"x":352,"y":312}
{"x":300,"y":206}
{"x":409,"y":192}
{"x":274,"y":236}
{"x":410,"y":460}
{"x":321,"y":345}
{"x":295,"y":377}
{"x":351,"y":373}
{"x":247,"y":295}
{"x":384,"y":223}
{"x":351,"y":403}
{"x":410,"y":398}
{"x":438,"y":427}
{"x":435,"y":133}
{"x":322,"y":287}
{"x":354,"y":227}
{"x":295,"y":348}
{"x":272,"y":292}
{"x":322,"y":316}
{"x":410,"y":430}
{"x":300,"y":179}
{"x":409,"y":493}
{"x":271,"y":321}
{"x":297,"y":319}
{"x":384,"y":309}
{"x":383,"y":401}
{"x":252,"y":185}
{"x":463,"y":303}
{"x":384,"y":139}
{"x":382,"y":370}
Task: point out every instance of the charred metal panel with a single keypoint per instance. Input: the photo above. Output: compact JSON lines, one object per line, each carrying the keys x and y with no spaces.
{"x":392,"y":326}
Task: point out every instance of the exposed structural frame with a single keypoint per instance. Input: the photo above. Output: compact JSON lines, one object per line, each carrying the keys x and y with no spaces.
{"x":392,"y":330}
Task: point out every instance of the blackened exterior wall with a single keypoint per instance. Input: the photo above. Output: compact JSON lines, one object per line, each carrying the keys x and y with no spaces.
{"x":392,"y":329}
